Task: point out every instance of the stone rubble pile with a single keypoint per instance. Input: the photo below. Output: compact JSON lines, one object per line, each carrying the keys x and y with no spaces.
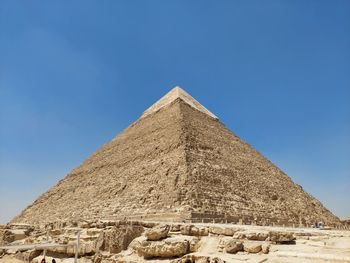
{"x":116,"y":241}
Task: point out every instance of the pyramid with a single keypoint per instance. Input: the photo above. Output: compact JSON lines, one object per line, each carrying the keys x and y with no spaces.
{"x":177,"y":162}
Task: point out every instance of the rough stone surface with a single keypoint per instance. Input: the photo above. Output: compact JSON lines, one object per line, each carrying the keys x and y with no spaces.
{"x":233,"y":246}
{"x":177,"y":162}
{"x":226,"y":231}
{"x":252,"y":235}
{"x":157,"y":233}
{"x":252,"y":247}
{"x":103,"y":244}
{"x":175,"y":228}
{"x":29,"y":255}
{"x":191,"y":230}
{"x":11,"y":235}
{"x":281,"y":236}
{"x":265,"y":247}
{"x":194,"y":243}
{"x":116,"y":239}
{"x":169,"y":247}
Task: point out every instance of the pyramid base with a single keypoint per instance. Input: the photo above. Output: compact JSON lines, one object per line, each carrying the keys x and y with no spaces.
{"x":196,"y":217}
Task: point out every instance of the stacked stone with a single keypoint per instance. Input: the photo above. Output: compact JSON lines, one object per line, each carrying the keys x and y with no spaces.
{"x":178,"y":162}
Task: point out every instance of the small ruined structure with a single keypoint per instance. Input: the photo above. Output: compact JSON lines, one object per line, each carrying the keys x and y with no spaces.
{"x":178,"y":162}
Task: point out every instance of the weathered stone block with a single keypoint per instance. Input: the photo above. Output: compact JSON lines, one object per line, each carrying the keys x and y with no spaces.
{"x":157,"y":233}
{"x":169,"y":247}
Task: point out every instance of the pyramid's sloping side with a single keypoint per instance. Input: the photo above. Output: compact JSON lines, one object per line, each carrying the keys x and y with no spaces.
{"x":136,"y":175}
{"x":233,"y":181}
{"x":177,"y":163}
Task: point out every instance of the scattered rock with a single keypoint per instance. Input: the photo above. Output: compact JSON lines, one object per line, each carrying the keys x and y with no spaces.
{"x":11,"y":235}
{"x":118,"y":238}
{"x":157,"y":233}
{"x":169,"y":247}
{"x":233,"y":246}
{"x":186,"y":229}
{"x":222,"y":243}
{"x":136,"y":243}
{"x":273,"y":236}
{"x":191,"y":230}
{"x":265,"y":247}
{"x":252,"y":247}
{"x":175,"y":228}
{"x":239,"y":235}
{"x":193,"y":242}
{"x":280,"y":236}
{"x":226,"y":231}
{"x":254,"y":235}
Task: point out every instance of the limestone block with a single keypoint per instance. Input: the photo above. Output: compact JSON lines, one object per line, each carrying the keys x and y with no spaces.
{"x":175,"y":227}
{"x":22,"y":226}
{"x":157,"y":233}
{"x":239,"y":235}
{"x":233,"y":246}
{"x":252,"y":247}
{"x":11,"y":235}
{"x":265,"y":247}
{"x":222,"y":243}
{"x":281,"y":236}
{"x":256,"y":235}
{"x":226,"y":231}
{"x":193,"y":242}
{"x":191,"y":230}
{"x":169,"y":247}
{"x":136,"y":243}
{"x":116,"y":239}
{"x":199,"y":231}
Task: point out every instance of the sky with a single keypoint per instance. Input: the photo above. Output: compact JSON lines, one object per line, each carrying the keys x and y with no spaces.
{"x":74,"y":74}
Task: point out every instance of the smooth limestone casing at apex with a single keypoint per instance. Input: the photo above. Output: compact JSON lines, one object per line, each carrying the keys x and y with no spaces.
{"x":178,"y":162}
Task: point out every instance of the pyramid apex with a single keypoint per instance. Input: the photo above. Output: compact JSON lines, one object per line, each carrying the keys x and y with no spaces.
{"x":177,"y":89}
{"x":173,"y":94}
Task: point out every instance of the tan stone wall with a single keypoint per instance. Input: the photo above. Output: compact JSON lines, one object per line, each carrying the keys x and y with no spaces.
{"x":233,"y":180}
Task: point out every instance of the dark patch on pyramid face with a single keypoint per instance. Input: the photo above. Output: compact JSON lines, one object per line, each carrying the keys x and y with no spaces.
{"x":177,"y":162}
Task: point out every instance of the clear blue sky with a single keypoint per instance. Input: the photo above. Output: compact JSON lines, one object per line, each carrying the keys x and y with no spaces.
{"x":73,"y":74}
